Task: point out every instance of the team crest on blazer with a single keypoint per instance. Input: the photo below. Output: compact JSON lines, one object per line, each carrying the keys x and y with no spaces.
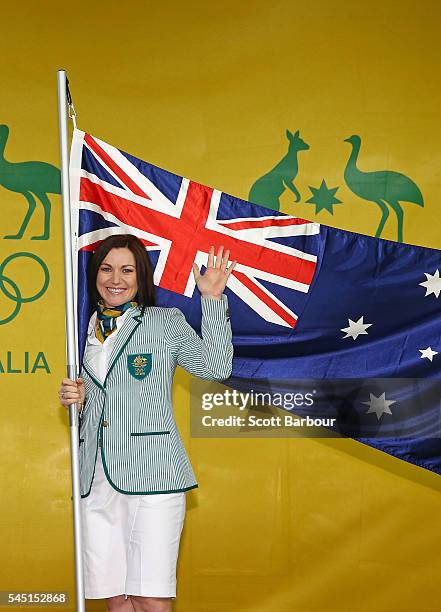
{"x":139,"y":365}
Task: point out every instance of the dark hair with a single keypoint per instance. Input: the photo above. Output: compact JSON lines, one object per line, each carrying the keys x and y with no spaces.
{"x":144,"y":272}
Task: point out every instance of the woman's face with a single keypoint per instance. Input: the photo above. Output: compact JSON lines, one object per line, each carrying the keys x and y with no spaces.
{"x":116,"y":280}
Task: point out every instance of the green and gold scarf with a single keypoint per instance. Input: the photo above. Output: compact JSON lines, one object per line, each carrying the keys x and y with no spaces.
{"x":106,"y":318}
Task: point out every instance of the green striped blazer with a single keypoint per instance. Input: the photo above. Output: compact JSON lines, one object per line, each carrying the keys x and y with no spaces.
{"x":129,"y":417}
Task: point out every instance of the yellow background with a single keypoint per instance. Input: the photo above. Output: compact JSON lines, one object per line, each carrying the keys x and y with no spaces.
{"x":207,"y":90}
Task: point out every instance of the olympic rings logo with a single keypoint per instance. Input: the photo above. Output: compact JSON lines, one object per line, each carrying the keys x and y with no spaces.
{"x":12,"y":291}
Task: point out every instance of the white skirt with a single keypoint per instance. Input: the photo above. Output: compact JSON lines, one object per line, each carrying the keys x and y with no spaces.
{"x":130,"y":542}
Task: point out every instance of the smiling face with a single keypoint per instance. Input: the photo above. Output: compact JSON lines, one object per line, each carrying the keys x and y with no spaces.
{"x":116,"y":280}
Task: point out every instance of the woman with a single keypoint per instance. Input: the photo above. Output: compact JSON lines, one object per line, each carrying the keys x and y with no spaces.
{"x":134,"y":470}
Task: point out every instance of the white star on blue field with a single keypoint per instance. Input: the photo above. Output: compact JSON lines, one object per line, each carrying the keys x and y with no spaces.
{"x":379,"y":405}
{"x":355,"y":328}
{"x":432,"y":284}
{"x":428,"y":353}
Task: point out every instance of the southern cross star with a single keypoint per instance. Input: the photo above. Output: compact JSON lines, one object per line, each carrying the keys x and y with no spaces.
{"x":428,"y":353}
{"x":356,"y":328}
{"x":432,"y":284}
{"x":379,"y":405}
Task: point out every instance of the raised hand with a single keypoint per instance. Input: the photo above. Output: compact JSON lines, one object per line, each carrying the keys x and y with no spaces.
{"x":212,"y":282}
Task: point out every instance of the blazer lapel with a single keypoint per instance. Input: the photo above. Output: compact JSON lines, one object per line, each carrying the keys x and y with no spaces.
{"x":126,"y":331}
{"x":88,"y":368}
{"x":90,"y":371}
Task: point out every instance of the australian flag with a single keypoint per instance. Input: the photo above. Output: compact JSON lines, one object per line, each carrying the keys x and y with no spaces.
{"x":307,"y":301}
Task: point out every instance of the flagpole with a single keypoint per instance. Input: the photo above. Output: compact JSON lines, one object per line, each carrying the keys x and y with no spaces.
{"x":72,"y":366}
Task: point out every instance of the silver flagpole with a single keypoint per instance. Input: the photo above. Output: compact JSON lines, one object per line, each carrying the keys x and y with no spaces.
{"x":72,"y":366}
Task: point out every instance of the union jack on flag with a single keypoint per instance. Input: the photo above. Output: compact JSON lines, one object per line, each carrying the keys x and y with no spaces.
{"x":178,"y":220}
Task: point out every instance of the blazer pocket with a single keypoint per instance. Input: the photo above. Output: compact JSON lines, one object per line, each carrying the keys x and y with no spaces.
{"x":149,"y":433}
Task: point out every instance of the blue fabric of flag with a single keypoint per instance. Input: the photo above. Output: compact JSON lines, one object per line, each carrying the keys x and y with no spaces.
{"x":359,"y":276}
{"x":373,"y":309}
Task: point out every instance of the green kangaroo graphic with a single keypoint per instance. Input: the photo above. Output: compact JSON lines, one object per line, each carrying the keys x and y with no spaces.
{"x":32,"y":178}
{"x":267,"y":190}
{"x":384,"y":188}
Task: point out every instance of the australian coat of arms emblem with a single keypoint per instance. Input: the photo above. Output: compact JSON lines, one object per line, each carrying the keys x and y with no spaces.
{"x":139,"y":365}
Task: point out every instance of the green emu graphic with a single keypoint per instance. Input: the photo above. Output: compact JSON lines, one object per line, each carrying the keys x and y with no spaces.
{"x":267,"y":190}
{"x":385,"y":188}
{"x":33,"y":179}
